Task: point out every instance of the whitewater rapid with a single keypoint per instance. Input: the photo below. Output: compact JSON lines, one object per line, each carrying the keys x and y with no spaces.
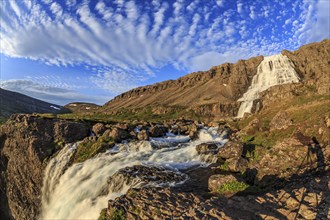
{"x":81,"y":191}
{"x":273,"y":70}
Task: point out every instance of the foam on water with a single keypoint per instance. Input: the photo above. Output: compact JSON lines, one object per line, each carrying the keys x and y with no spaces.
{"x":78,"y":192}
{"x":273,"y":70}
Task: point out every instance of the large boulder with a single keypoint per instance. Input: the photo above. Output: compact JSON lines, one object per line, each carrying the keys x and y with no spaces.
{"x":281,"y":120}
{"x":207,"y":148}
{"x":119,"y":135}
{"x":217,"y":181}
{"x":237,"y":164}
{"x":231,"y":150}
{"x":157,"y":131}
{"x":99,"y":129}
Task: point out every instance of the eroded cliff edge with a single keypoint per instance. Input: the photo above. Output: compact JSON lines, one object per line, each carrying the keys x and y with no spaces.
{"x":25,"y":142}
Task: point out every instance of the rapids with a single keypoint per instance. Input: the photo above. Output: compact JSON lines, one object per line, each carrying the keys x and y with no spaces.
{"x":273,"y":70}
{"x":81,"y":191}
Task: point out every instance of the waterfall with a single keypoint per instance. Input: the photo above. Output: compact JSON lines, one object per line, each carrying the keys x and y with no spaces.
{"x":273,"y":70}
{"x":82,"y":190}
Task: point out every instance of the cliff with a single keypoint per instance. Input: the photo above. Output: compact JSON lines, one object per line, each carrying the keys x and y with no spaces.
{"x":25,"y":142}
{"x":215,"y":92}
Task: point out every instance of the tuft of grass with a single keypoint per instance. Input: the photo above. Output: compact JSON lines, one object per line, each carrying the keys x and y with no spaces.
{"x":232,"y":187}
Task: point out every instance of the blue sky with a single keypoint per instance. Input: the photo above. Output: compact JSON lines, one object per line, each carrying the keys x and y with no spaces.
{"x":87,"y":50}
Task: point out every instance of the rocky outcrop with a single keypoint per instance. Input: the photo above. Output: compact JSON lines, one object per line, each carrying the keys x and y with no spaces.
{"x":312,"y":64}
{"x":26,"y":142}
{"x":140,"y":176}
{"x":300,"y":198}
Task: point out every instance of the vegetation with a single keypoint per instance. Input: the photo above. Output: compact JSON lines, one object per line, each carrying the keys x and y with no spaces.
{"x":232,"y":187}
{"x":118,"y":214}
{"x":89,"y":148}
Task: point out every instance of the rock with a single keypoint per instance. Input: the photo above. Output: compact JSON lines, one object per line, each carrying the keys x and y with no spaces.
{"x":143,"y":135}
{"x":157,"y":131}
{"x":280,"y":121}
{"x":69,"y":132}
{"x":139,"y":176}
{"x":207,"y":148}
{"x":172,"y":203}
{"x":253,"y":127}
{"x":327,"y":121}
{"x":25,"y":142}
{"x":218,"y":180}
{"x":98,"y":129}
{"x":237,"y":164}
{"x":118,"y":134}
{"x":231,"y":150}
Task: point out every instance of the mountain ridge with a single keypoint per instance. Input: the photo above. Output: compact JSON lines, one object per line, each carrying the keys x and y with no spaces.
{"x":216,"y":91}
{"x":14,"y":102}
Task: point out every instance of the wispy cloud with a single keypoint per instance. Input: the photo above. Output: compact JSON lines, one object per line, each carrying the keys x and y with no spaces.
{"x":124,"y":42}
{"x":48,"y":93}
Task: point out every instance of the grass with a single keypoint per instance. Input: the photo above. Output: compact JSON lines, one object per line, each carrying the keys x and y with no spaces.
{"x":232,"y":187}
{"x":118,"y":215}
{"x":89,"y":149}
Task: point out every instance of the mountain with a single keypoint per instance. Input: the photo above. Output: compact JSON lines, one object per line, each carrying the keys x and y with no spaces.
{"x":276,"y":151}
{"x":216,"y":92}
{"x":81,"y":107}
{"x":14,"y":102}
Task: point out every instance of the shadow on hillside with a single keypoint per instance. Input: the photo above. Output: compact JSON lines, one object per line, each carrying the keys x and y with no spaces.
{"x":281,"y":198}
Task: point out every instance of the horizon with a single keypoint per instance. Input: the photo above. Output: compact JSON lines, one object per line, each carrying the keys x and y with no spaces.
{"x":92,"y":51}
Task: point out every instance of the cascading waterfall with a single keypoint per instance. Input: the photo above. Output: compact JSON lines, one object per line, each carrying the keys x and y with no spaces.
{"x":273,"y":70}
{"x":81,"y":191}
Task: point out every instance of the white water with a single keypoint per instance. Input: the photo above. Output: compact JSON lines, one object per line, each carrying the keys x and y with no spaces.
{"x":79,"y":192}
{"x":273,"y":70}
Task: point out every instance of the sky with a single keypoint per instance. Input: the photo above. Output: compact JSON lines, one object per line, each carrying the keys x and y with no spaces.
{"x":63,"y":51}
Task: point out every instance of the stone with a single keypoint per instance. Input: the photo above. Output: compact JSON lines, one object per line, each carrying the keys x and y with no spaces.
{"x":98,"y":129}
{"x":157,"y":131}
{"x":143,"y":135}
{"x":280,"y":121}
{"x":231,"y":150}
{"x":217,"y":180}
{"x":237,"y":164}
{"x":118,"y":134}
{"x":207,"y":148}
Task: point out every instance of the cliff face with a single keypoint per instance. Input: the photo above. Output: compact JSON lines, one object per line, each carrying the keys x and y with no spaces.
{"x":215,"y":92}
{"x":25,"y":142}
{"x":312,"y":62}
{"x":212,"y":92}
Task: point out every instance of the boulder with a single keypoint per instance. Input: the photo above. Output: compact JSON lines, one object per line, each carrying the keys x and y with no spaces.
{"x":143,"y":135}
{"x":218,"y":180}
{"x":281,"y":120}
{"x":118,"y":134}
{"x":98,"y":129}
{"x":231,"y":150}
{"x":157,"y":131}
{"x":237,"y":164}
{"x":207,"y":148}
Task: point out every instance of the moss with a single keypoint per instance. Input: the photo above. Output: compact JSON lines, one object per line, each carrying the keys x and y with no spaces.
{"x":224,"y":166}
{"x":104,"y":215}
{"x":89,"y":149}
{"x":232,"y":187}
{"x":118,"y":214}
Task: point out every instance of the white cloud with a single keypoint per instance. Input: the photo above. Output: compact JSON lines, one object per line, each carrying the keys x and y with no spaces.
{"x":50,"y":94}
{"x":129,"y":41}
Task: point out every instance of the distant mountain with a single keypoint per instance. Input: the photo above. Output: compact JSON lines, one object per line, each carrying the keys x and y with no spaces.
{"x":215,"y":93}
{"x":82,"y":107}
{"x":14,"y":102}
